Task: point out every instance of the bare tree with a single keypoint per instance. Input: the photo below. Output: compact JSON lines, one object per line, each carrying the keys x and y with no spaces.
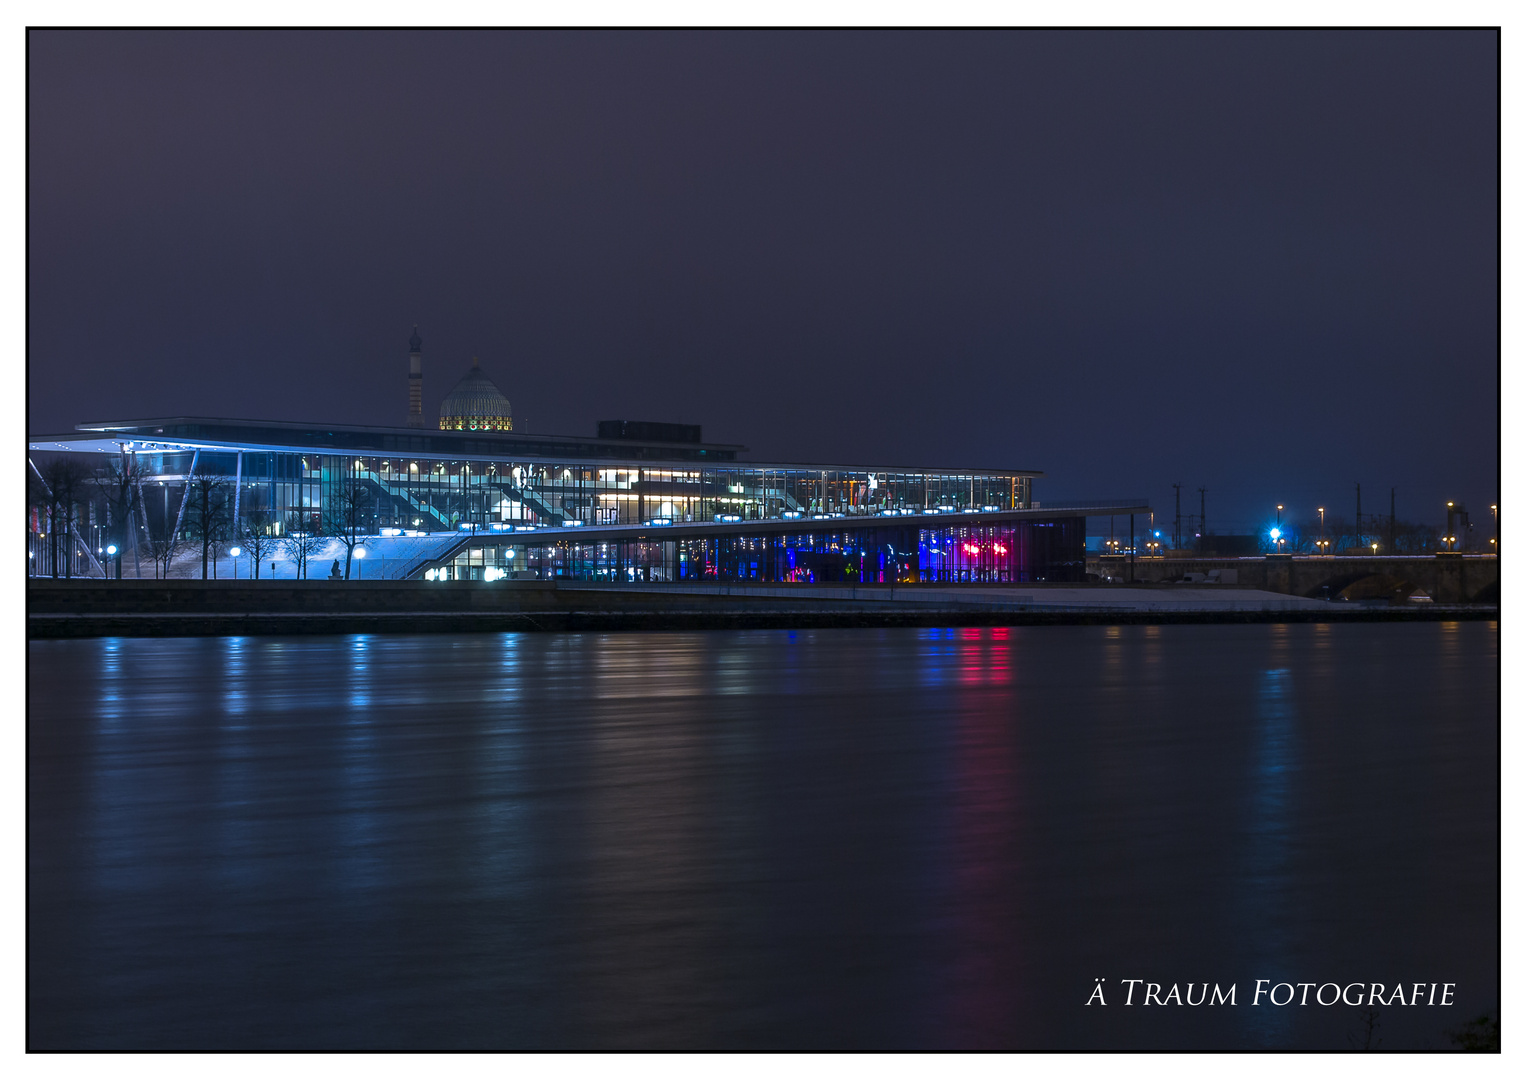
{"x":164,"y":544}
{"x":345,"y":516}
{"x":208,"y":514}
{"x":64,"y":481}
{"x":255,"y":531}
{"x":301,"y":541}
{"x":118,"y":490}
{"x":37,"y":517}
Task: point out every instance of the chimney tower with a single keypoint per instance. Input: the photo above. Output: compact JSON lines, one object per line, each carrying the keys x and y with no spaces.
{"x":416,"y":382}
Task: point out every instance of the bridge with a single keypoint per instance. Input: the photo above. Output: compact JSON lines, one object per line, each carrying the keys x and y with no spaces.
{"x":1446,"y":577}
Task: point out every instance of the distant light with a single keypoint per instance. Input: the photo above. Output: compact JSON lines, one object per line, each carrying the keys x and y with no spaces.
{"x":234,"y":551}
{"x":1274,"y":533}
{"x":111,"y":549}
{"x":360,"y":552}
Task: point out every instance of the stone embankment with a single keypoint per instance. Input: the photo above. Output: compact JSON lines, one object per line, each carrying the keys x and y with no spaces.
{"x":175,"y":608}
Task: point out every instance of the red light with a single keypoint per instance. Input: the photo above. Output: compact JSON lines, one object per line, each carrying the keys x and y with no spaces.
{"x":1001,"y":549}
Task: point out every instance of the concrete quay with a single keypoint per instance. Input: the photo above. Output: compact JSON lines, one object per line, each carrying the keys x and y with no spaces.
{"x":178,"y":608}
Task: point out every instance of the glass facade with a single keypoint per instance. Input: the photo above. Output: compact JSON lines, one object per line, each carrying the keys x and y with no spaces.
{"x":432,"y":495}
{"x":612,"y":509}
{"x":995,"y":553}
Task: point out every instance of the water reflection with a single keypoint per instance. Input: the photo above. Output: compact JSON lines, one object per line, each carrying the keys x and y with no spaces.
{"x":986,"y":827}
{"x":805,"y":840}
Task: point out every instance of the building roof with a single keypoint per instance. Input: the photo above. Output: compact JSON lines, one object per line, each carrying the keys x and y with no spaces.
{"x":171,"y":434}
{"x":475,"y":395}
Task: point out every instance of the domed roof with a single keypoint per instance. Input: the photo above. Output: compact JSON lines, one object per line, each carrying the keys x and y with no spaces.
{"x":475,"y":404}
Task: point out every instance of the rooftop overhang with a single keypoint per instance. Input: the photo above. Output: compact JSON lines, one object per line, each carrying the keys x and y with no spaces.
{"x":117,"y":441}
{"x":689,"y":530}
{"x":351,"y":438}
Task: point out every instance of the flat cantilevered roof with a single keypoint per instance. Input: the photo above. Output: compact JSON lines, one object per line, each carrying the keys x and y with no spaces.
{"x":185,"y":433}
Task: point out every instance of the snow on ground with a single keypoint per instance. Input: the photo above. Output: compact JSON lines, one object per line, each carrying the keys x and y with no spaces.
{"x":387,"y":557}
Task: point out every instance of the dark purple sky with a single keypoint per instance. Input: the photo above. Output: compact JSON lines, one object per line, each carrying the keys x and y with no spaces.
{"x":1262,"y":262}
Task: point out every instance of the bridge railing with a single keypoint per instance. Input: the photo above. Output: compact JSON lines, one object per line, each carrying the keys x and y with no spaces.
{"x":1087,"y":504}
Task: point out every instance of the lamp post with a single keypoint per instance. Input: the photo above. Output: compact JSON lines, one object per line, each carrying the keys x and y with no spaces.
{"x":360,"y":553}
{"x":235,"y":552}
{"x":111,"y":554}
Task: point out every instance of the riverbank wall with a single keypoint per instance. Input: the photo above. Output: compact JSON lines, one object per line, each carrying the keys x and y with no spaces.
{"x":180,"y":608}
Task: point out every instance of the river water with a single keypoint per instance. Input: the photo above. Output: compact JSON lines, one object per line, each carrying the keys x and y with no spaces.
{"x":830,"y":839}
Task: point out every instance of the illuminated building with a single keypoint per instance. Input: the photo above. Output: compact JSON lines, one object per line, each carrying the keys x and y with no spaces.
{"x":475,"y":404}
{"x":613,"y":508}
{"x":638,"y":501}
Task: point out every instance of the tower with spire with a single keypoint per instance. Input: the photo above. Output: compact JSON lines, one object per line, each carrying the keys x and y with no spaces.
{"x":416,"y":381}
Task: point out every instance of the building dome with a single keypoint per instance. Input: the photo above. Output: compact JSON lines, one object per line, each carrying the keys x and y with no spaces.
{"x":475,"y":404}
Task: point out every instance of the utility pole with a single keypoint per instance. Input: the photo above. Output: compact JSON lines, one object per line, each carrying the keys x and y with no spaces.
{"x":1202,"y":529}
{"x":1177,"y":517}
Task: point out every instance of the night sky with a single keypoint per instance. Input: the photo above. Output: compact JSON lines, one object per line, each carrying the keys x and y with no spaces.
{"x":1260,"y":262}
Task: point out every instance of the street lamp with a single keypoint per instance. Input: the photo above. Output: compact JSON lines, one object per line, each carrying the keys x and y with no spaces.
{"x":235,"y":552}
{"x":111,"y":553}
{"x":360,"y":553}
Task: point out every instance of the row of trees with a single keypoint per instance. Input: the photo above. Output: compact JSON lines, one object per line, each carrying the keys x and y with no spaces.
{"x":61,"y":490}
